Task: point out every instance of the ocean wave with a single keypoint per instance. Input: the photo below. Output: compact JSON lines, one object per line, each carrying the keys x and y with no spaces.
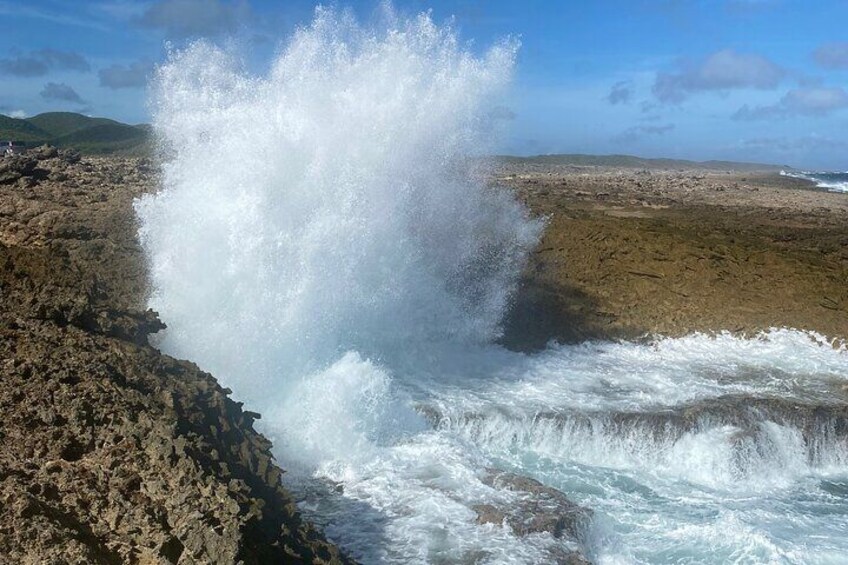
{"x":832,"y":181}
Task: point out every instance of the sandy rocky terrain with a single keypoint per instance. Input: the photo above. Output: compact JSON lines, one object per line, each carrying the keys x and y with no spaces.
{"x":630,"y":253}
{"x":111,"y":452}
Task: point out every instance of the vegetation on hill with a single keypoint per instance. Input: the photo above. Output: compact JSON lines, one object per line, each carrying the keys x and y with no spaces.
{"x":69,"y":129}
{"x":14,"y":129}
{"x":103,"y":138}
{"x":63,"y":123}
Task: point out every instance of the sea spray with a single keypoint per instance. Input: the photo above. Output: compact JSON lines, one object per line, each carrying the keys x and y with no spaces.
{"x":321,"y":243}
{"x":324,"y":218}
{"x":329,"y":205}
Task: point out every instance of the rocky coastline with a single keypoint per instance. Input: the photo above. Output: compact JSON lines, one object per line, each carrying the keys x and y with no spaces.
{"x":111,"y":452}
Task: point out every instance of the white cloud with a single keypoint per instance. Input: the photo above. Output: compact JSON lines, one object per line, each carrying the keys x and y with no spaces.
{"x":805,"y":101}
{"x":134,"y":75}
{"x":61,"y":92}
{"x":832,"y":55}
{"x":723,"y":70}
{"x":39,"y":63}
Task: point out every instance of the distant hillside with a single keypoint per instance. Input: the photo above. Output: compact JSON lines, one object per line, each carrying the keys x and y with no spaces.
{"x":13,"y":129}
{"x":68,"y":129}
{"x":103,"y":138}
{"x":63,"y":123}
{"x":630,"y":161}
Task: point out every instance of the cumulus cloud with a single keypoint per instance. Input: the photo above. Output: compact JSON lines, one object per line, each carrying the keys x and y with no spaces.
{"x":805,"y":101}
{"x":23,"y":66}
{"x":816,"y":101}
{"x":832,"y":55}
{"x":39,"y":63}
{"x":194,"y":18}
{"x":134,"y":75}
{"x":64,"y":60}
{"x":620,"y":93}
{"x":61,"y":92}
{"x":636,"y":133}
{"x":723,"y":70}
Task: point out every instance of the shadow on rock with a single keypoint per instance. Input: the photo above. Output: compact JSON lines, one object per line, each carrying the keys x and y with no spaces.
{"x":542,"y":313}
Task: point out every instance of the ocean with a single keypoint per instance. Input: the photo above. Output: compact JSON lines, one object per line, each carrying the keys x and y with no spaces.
{"x":323,"y":245}
{"x":830,"y":181}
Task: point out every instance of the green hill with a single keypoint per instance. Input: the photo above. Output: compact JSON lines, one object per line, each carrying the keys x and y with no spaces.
{"x":68,"y":129}
{"x":14,"y":129}
{"x":630,"y":161}
{"x":103,"y":138}
{"x":58,"y":124}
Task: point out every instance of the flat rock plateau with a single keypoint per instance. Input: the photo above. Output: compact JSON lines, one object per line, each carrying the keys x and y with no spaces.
{"x":629,"y":253}
{"x":111,"y":452}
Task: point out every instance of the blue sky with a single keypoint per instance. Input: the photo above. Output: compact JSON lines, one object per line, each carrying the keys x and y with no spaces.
{"x":759,"y":80}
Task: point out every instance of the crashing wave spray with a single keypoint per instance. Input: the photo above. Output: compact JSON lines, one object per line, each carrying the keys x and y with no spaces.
{"x":329,"y":205}
{"x":320,"y":245}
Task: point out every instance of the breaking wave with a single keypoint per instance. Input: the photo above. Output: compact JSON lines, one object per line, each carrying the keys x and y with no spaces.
{"x":831,"y":181}
{"x":326,"y":243}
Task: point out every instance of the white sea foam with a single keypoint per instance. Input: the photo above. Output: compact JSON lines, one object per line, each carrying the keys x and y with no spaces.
{"x":832,"y":181}
{"x":322,"y":245}
{"x":328,"y":206}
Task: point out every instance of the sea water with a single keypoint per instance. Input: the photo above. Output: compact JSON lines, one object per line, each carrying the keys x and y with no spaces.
{"x":832,"y":181}
{"x":324,"y":245}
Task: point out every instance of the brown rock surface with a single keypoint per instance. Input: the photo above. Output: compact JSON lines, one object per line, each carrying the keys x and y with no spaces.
{"x":111,"y":452}
{"x":629,"y":252}
{"x":538,"y":509}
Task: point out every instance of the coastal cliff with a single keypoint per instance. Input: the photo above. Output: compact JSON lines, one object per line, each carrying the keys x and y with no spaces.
{"x":111,"y":452}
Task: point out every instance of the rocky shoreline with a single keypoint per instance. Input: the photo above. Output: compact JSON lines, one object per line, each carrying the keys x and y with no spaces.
{"x":629,"y":253}
{"x":112,"y":452}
